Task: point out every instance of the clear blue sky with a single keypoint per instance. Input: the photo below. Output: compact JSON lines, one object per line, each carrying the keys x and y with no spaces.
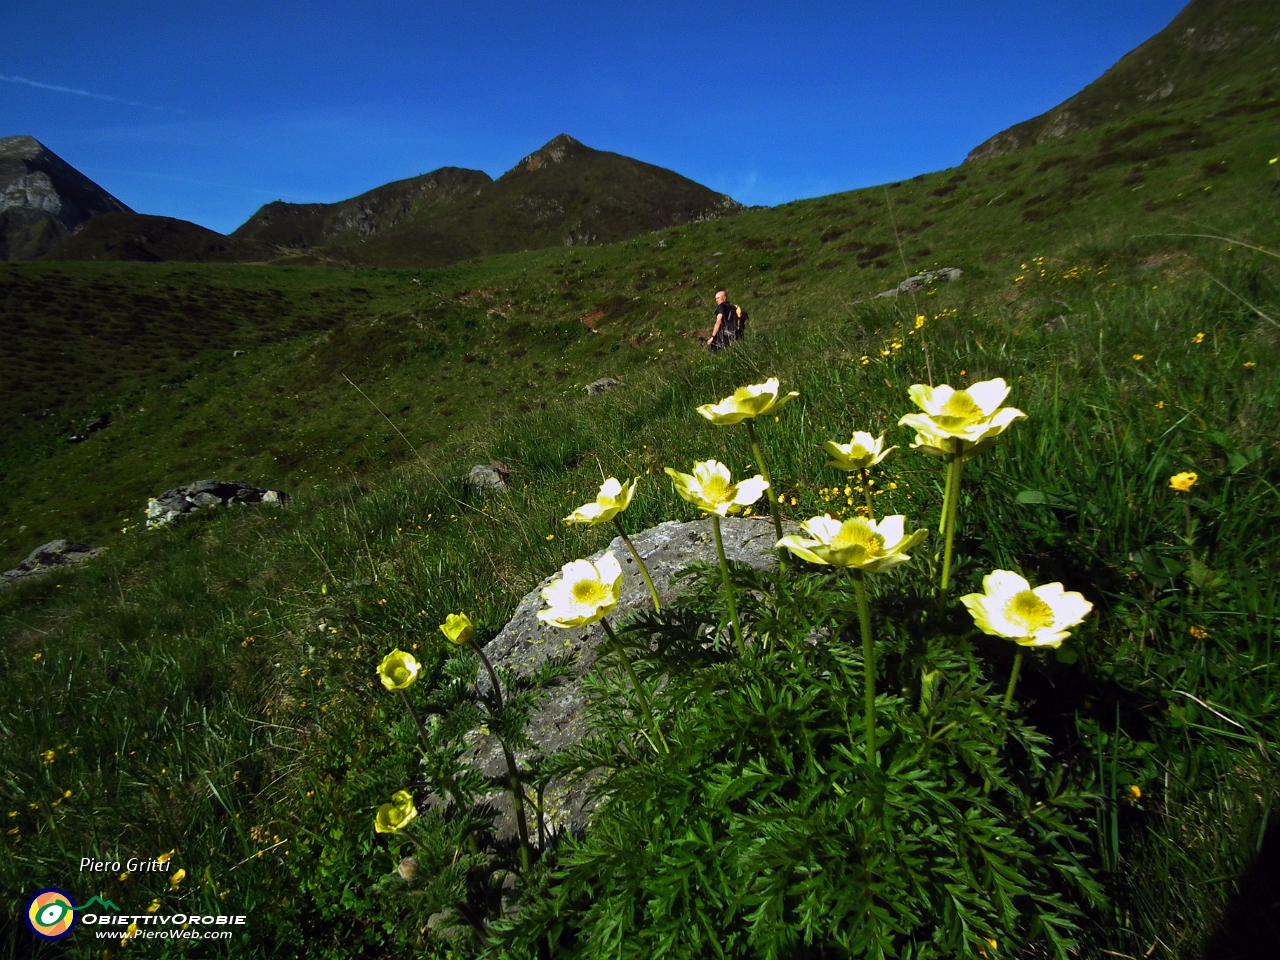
{"x":205,"y":111}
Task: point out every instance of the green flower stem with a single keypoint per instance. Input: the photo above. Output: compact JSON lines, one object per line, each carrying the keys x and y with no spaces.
{"x":953,"y":481}
{"x":946,"y":503}
{"x":1013,"y":677}
{"x":1191,"y":540}
{"x":728,"y":587}
{"x":450,"y":783}
{"x":644,"y":571}
{"x":865,"y":476}
{"x":517,"y":791}
{"x":493,"y":677}
{"x":764,"y":472}
{"x":868,"y":660}
{"x":422,"y":731}
{"x":635,"y":685}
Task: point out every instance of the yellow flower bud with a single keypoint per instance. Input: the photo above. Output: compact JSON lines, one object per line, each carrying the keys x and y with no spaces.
{"x":458,"y":629}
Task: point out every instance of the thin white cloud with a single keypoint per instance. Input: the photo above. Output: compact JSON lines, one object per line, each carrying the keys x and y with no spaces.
{"x":87,"y":93}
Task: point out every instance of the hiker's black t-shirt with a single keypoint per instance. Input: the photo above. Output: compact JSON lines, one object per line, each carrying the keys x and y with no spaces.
{"x":728,"y":323}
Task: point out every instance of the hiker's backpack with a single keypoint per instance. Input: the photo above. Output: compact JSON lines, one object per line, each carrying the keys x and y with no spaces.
{"x":739,"y":322}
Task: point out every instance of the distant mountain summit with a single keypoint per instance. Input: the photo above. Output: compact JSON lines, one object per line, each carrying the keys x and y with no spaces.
{"x":43,"y":199}
{"x":1209,"y":43}
{"x":565,"y":193}
{"x":354,"y":220}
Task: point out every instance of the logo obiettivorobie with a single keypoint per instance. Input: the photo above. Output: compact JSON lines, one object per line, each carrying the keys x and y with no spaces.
{"x":51,"y":913}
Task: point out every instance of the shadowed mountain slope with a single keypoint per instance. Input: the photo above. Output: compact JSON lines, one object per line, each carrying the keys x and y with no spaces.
{"x":563,"y":194}
{"x":1208,"y":44}
{"x":43,"y":199}
{"x":141,"y":238}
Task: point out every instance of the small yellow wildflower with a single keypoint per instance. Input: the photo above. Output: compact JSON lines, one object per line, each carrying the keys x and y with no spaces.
{"x":1135,"y":792}
{"x":177,"y":877}
{"x":1198,"y":338}
{"x":1200,"y":633}
{"x":1137,"y":356}
{"x":1183,"y":482}
{"x":398,"y":670}
{"x":395,"y":816}
{"x":1249,"y":364}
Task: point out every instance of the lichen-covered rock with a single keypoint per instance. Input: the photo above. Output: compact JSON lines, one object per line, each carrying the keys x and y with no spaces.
{"x":206,"y":493}
{"x":526,"y":643}
{"x":603,"y":385}
{"x":921,"y":281}
{"x":50,"y":556}
{"x":488,"y":476}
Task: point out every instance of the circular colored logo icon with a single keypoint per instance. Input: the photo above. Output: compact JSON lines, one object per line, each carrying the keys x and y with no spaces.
{"x":51,"y":913}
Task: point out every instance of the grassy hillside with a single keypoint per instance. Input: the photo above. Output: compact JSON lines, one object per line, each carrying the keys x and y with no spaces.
{"x":180,"y":692}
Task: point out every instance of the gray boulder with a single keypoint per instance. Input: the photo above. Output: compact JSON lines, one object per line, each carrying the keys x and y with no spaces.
{"x":93,"y":426}
{"x":50,"y":556}
{"x":921,"y":281}
{"x":489,"y":476}
{"x":526,"y":643}
{"x":603,"y":385}
{"x":206,"y":493}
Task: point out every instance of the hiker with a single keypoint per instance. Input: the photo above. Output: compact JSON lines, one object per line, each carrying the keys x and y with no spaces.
{"x":730,"y":324}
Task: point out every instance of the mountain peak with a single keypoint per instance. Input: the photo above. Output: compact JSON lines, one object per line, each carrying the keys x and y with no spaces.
{"x":43,"y":198}
{"x":556,"y":150}
{"x":21,"y":147}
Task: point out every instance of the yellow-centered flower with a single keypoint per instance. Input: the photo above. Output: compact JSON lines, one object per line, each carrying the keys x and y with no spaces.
{"x":1183,"y":482}
{"x":614,"y":497}
{"x":973,"y":416}
{"x":398,"y":670}
{"x":860,"y":453}
{"x":395,"y":816}
{"x":1010,"y":608}
{"x":586,"y":592}
{"x":711,"y":489}
{"x":755,"y":400}
{"x":862,"y":544}
{"x":458,"y":629}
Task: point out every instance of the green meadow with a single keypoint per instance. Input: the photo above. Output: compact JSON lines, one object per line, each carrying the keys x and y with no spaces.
{"x":210,"y":688}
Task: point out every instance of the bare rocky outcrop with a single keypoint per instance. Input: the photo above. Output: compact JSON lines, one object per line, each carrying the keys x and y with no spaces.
{"x":526,"y":643}
{"x":921,"y":281}
{"x":43,"y":199}
{"x":54,"y":555}
{"x":172,"y":504}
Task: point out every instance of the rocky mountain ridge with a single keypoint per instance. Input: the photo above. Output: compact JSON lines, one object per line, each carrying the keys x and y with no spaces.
{"x":43,"y":199}
{"x":564,"y":193}
{"x":1208,"y":42}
